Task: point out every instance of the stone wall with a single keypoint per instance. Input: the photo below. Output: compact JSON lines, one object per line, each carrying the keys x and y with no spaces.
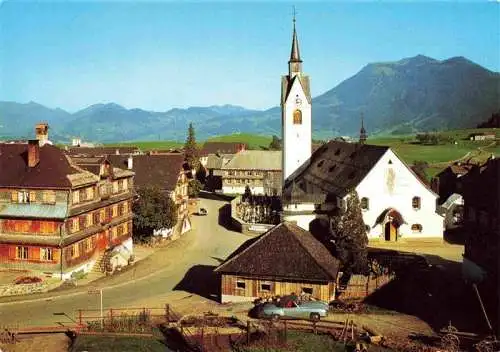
{"x":26,"y":289}
{"x":244,"y":227}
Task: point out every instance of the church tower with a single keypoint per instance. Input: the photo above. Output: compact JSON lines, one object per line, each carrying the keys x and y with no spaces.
{"x":362,"y":132}
{"x":295,"y":112}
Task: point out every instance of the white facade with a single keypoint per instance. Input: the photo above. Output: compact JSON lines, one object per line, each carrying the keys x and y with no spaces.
{"x":240,"y":189}
{"x":296,"y":136}
{"x":300,"y":218}
{"x":392,"y":185}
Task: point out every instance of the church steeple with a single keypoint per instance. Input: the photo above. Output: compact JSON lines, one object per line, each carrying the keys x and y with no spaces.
{"x":362,"y":131}
{"x":295,"y":63}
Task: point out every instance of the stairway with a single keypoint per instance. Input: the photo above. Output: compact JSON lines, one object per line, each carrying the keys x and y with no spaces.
{"x":100,"y":264}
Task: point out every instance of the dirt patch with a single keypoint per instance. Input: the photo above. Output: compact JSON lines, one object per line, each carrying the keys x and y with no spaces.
{"x":39,"y":343}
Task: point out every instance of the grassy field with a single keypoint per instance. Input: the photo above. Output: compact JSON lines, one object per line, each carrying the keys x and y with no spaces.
{"x":116,"y":344}
{"x":308,"y":342}
{"x":149,"y":145}
{"x":253,"y":141}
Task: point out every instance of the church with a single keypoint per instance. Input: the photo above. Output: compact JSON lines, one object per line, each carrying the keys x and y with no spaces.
{"x":395,"y":203}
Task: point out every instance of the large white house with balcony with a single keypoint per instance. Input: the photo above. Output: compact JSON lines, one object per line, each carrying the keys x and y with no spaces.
{"x":396,"y":204}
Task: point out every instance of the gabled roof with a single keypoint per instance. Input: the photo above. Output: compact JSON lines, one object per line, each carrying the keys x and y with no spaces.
{"x":286,"y":251}
{"x":287,"y":84}
{"x":160,"y":170}
{"x":255,"y":160}
{"x":52,"y":171}
{"x":336,"y":168}
{"x":222,"y":148}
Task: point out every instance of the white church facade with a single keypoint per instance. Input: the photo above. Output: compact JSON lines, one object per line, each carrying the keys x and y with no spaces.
{"x":396,"y":204}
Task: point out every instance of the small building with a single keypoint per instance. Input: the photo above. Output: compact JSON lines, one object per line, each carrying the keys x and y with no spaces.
{"x":482,"y":136}
{"x":218,"y":148}
{"x":449,"y":181}
{"x":81,"y":151}
{"x":395,"y":203}
{"x":169,"y":172}
{"x":258,"y":169}
{"x":286,"y":259}
{"x":57,"y":218}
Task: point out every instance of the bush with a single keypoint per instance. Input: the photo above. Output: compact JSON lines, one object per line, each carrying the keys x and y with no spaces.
{"x":27,"y":280}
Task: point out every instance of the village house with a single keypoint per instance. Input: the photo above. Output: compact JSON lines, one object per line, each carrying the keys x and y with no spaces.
{"x":57,"y":218}
{"x":395,"y":203}
{"x":482,"y":221}
{"x":482,"y":136}
{"x":258,"y":169}
{"x":219,"y":148}
{"x":449,"y":181}
{"x":80,"y":151}
{"x":287,"y":259}
{"x":168,"y":172}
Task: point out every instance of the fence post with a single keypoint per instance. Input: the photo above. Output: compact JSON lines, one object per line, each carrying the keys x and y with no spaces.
{"x":314,"y":327}
{"x":202,"y":340}
{"x":111,"y":317}
{"x":79,"y":317}
{"x":167,"y":312}
{"x":248,"y":332}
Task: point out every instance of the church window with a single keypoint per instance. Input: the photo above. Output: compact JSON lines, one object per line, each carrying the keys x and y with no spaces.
{"x":297,"y":117}
{"x":415,"y":203}
{"x":321,"y":163}
{"x":365,"y":203}
{"x":416,"y":228}
{"x":390,"y":161}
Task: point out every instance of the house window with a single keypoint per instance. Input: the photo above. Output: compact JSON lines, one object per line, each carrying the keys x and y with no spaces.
{"x":115,"y":186}
{"x":81,"y":247}
{"x":76,"y":197}
{"x":125,"y":184}
{"x":21,"y":197}
{"x":307,"y":290}
{"x":297,"y":117}
{"x":90,"y":193}
{"x":415,"y":203}
{"x":75,"y":225}
{"x":22,"y":252}
{"x":46,"y":254}
{"x":240,"y":284}
{"x":265,"y":286}
{"x":115,"y":211}
{"x":49,"y":197}
{"x":365,"y":203}
{"x":416,"y":228}
{"x":89,"y":220}
{"x":92,"y":242}
{"x":74,"y":251}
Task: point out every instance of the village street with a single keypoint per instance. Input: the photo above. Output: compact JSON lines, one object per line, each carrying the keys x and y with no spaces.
{"x":151,"y":282}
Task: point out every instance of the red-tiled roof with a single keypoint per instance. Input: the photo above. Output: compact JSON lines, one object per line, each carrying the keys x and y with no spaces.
{"x":50,"y":172}
{"x":222,"y":148}
{"x":152,"y":170}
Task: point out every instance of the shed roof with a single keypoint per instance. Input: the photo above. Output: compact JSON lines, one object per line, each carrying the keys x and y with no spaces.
{"x":285,"y":251}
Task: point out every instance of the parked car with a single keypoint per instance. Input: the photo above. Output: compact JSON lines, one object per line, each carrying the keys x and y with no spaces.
{"x":313,"y":310}
{"x":202,"y":211}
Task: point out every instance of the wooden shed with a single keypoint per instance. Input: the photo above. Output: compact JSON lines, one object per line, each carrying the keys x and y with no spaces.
{"x":286,"y":259}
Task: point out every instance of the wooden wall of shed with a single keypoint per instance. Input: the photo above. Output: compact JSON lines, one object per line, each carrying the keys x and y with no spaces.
{"x":253,"y":287}
{"x":361,"y":286}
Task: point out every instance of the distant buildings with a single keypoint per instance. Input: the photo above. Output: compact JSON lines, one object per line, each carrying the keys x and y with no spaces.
{"x":260,"y":170}
{"x":57,"y":218}
{"x":482,"y":136}
{"x":220,"y":148}
{"x":449,"y":181}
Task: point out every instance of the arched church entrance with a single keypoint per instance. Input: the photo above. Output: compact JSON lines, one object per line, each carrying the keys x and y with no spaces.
{"x":390,"y":220}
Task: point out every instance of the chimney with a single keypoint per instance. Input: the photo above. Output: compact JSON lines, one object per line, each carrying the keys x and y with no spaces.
{"x":33,"y":152}
{"x":42,"y":132}
{"x":130,"y":162}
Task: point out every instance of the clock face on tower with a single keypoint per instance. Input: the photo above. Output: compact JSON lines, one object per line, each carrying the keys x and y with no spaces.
{"x":298,"y":101}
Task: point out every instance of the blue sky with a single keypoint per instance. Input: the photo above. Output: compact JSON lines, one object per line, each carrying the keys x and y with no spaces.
{"x":160,"y":55}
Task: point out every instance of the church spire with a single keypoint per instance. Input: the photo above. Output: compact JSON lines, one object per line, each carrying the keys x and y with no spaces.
{"x":362,"y":131}
{"x":295,"y":63}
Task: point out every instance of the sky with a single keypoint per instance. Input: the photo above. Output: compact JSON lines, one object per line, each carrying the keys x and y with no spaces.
{"x":163,"y":55}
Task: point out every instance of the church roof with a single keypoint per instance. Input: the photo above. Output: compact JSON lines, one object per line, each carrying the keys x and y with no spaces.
{"x":335,"y":168}
{"x":285,"y":251}
{"x":295,"y":53}
{"x":287,"y":84}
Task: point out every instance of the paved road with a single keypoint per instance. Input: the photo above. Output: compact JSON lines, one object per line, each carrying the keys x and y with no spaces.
{"x":148,"y":283}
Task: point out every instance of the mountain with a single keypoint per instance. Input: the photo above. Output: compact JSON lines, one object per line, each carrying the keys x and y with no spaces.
{"x":409,"y":95}
{"x":413,"y":94}
{"x":18,"y":120}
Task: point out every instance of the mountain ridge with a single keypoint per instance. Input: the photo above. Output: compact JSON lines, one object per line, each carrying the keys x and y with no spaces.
{"x":409,"y":95}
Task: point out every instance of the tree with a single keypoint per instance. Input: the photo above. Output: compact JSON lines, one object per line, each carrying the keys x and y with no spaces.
{"x":191,"y":149}
{"x":348,"y":237}
{"x":194,"y":187}
{"x":419,"y":168}
{"x":201,"y":174}
{"x":154,"y":209}
{"x":275,"y":143}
